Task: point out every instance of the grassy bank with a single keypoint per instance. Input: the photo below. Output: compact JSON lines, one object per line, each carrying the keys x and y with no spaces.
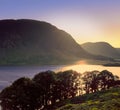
{"x":103,"y":100}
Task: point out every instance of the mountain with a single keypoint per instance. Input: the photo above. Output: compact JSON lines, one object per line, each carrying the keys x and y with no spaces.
{"x":118,"y":49}
{"x":101,"y":48}
{"x":26,"y":41}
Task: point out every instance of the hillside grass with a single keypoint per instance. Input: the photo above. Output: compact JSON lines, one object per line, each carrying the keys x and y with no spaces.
{"x":102,"y":100}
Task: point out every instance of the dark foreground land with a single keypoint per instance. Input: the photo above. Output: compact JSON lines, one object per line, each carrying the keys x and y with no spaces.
{"x":67,"y":90}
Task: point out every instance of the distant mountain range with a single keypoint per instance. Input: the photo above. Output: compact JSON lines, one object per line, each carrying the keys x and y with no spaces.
{"x":33,"y":42}
{"x":101,"y":48}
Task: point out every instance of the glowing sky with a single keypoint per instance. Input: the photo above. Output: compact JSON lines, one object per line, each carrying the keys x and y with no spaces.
{"x":85,"y":20}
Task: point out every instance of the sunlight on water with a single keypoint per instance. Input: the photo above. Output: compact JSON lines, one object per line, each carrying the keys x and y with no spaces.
{"x":9,"y":74}
{"x":81,"y":62}
{"x":83,"y":68}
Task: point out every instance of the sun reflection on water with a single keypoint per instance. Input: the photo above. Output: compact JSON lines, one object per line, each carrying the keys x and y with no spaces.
{"x":83,"y":67}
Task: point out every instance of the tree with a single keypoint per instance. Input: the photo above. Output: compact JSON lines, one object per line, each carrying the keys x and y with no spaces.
{"x":7,"y":98}
{"x":90,"y":81}
{"x":21,"y":95}
{"x":116,"y":81}
{"x":45,"y":81}
{"x":69,"y":84}
{"x":106,"y":79}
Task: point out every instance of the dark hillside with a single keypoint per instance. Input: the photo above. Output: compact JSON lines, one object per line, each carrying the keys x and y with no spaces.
{"x":118,"y":49}
{"x":34,"y":42}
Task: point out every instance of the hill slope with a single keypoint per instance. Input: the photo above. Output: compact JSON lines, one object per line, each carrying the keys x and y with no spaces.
{"x":101,"y":48}
{"x":118,"y":49}
{"x":34,"y":42}
{"x":104,"y":100}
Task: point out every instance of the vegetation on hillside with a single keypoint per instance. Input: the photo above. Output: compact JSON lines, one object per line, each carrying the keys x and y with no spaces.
{"x":102,"y":100}
{"x":50,"y":90}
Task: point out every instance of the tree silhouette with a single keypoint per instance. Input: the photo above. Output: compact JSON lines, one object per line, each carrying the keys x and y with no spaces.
{"x":90,"y":81}
{"x":21,"y":95}
{"x":69,"y":82}
{"x":106,"y":79}
{"x":45,"y":81}
{"x":48,"y":87}
{"x":7,"y":98}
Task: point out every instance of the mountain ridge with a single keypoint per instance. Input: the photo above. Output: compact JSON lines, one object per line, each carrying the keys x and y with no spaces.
{"x":26,"y":41}
{"x":101,"y":48}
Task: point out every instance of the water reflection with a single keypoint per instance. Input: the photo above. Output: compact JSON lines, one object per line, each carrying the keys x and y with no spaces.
{"x":83,"y":68}
{"x":8,"y":74}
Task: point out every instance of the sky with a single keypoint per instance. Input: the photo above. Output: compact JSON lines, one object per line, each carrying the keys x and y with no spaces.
{"x":85,"y":20}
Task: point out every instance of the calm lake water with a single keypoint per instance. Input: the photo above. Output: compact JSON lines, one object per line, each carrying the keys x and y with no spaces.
{"x":10,"y":73}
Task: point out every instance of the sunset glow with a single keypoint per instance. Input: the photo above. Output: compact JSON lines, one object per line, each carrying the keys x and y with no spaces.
{"x":61,"y":54}
{"x":85,"y":20}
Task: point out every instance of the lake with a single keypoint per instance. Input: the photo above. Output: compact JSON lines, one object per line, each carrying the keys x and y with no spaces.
{"x":10,"y":73}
